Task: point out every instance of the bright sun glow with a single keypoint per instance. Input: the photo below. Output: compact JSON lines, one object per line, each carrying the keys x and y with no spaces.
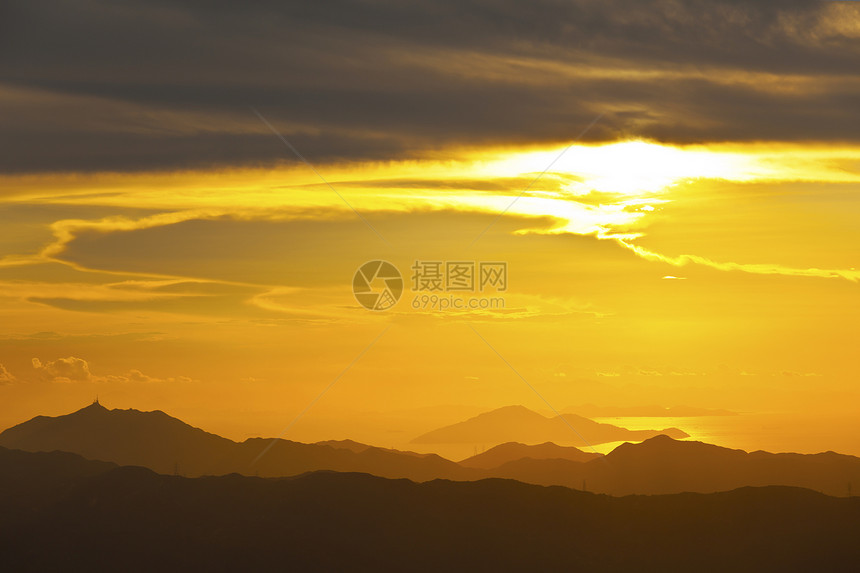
{"x":601,"y":190}
{"x":630,"y":167}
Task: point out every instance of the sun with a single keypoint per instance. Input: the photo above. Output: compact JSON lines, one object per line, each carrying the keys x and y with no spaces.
{"x":630,"y":168}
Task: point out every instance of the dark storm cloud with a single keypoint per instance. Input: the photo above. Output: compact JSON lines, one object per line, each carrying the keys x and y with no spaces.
{"x":166,"y":85}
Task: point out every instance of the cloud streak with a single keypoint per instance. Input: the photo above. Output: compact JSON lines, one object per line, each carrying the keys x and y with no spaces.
{"x":755,"y":268}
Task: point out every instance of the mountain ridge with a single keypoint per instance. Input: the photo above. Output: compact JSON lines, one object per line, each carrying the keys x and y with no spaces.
{"x":95,"y":516}
{"x":168,"y":445}
{"x":658,"y":465}
{"x":519,"y":424}
{"x":511,"y":451}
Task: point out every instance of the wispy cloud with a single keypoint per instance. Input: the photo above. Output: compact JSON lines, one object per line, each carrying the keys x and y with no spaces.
{"x":758,"y":269}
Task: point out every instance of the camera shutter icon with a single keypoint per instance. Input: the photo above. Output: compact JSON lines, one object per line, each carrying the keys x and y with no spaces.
{"x":377,"y":285}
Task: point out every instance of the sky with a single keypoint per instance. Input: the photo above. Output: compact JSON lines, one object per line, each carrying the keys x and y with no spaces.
{"x":188,"y":188}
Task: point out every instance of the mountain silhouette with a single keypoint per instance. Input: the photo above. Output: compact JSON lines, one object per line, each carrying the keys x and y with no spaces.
{"x":513,"y":451}
{"x":662,"y":465}
{"x":60,"y":512}
{"x":519,"y":424}
{"x":126,"y":437}
{"x":167,"y":445}
{"x":658,"y":465}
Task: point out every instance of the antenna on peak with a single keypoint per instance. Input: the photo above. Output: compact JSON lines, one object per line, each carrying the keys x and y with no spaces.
{"x":96,"y":401}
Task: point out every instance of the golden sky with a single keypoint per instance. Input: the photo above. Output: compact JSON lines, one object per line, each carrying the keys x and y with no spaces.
{"x":698,"y":244}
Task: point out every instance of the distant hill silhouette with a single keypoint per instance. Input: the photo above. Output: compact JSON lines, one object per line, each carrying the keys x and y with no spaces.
{"x":651,"y":411}
{"x":168,"y":445}
{"x":513,"y":451}
{"x":519,"y":424}
{"x":350,"y":445}
{"x":662,"y":465}
{"x":656,"y":466}
{"x":59,"y":512}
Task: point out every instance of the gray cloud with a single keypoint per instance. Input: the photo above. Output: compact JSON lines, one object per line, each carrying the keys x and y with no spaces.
{"x":167,"y":85}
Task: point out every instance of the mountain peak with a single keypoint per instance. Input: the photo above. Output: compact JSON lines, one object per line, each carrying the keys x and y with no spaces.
{"x":661,"y":438}
{"x":662,"y":445}
{"x":514,"y":451}
{"x":96,"y":406}
{"x":126,"y":437}
{"x":511,"y":412}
